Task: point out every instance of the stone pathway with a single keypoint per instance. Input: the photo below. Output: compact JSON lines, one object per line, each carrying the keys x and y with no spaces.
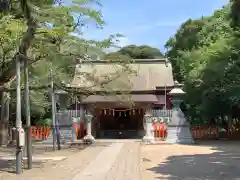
{"x":127,"y":165}
{"x":117,"y":161}
{"x":98,"y":168}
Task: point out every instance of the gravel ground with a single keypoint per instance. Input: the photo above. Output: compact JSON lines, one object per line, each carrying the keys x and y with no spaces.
{"x":39,"y":150}
{"x":213,"y":160}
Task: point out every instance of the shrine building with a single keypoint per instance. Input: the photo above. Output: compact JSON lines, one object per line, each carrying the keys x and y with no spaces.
{"x":148,"y":88}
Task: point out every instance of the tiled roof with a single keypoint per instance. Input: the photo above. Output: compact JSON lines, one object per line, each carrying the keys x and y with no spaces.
{"x":148,"y":75}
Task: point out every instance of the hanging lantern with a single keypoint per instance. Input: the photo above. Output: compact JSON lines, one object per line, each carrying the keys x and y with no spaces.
{"x":105,"y":111}
{"x":113,"y":112}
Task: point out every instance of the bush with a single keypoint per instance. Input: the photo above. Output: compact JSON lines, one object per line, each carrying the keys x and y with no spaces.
{"x":44,"y":122}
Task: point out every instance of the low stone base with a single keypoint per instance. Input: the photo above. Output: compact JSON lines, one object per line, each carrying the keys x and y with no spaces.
{"x":89,"y":139}
{"x":179,"y":135}
{"x":148,"y":140}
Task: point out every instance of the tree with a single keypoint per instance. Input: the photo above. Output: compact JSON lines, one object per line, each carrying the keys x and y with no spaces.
{"x":46,"y":33}
{"x":184,"y":40}
{"x":234,"y":14}
{"x":139,"y":52}
{"x":205,"y":56}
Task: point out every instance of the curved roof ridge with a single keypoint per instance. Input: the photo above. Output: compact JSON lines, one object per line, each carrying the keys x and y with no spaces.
{"x":134,"y":61}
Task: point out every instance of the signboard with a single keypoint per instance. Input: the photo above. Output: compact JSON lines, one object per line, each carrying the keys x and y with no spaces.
{"x":66,"y":134}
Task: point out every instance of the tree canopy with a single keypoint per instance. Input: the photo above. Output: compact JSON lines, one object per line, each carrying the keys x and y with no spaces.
{"x":138,"y":52}
{"x":205,"y":57}
{"x":48,"y":34}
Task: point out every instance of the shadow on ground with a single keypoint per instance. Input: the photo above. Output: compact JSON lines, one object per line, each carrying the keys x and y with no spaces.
{"x":10,"y":165}
{"x":221,"y":165}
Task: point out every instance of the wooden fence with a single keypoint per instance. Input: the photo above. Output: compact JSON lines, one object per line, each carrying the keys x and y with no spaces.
{"x":205,"y":132}
{"x":160,"y":131}
{"x":40,"y":133}
{"x":198,"y":132}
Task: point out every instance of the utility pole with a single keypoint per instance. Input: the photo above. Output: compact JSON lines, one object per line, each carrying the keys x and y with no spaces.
{"x":27,"y":114}
{"x":53,"y":111}
{"x":18,"y":116}
{"x":165,"y":89}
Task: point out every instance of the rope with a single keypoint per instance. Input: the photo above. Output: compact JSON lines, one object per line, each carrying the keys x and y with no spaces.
{"x":117,"y":110}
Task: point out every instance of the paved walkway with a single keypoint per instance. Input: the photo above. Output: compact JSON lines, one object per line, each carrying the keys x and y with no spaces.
{"x":98,"y":168}
{"x":116,"y":161}
{"x":127,"y":165}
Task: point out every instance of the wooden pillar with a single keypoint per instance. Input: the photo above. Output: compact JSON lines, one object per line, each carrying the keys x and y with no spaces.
{"x":81,"y":123}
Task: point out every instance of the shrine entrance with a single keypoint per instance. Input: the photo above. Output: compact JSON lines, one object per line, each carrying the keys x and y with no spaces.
{"x":120,"y":123}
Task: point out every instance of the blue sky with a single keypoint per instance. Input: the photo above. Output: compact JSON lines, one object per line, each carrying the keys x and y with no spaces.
{"x":149,"y":22}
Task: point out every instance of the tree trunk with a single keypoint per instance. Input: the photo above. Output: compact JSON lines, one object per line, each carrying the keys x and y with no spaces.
{"x":229,"y":129}
{"x":4,"y":119}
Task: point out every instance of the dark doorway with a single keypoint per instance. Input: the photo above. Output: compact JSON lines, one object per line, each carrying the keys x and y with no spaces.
{"x":121,"y":123}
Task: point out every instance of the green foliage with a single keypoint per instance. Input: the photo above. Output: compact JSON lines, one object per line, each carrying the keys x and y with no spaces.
{"x":47,"y":33}
{"x":235,"y":14}
{"x":138,"y":52}
{"x":205,"y":56}
{"x":44,"y":122}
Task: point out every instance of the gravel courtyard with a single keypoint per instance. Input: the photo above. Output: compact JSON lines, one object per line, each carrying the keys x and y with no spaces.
{"x":132,"y":160}
{"x":214,"y":160}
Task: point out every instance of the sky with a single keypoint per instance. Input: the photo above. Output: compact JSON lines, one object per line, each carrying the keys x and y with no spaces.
{"x":149,"y":22}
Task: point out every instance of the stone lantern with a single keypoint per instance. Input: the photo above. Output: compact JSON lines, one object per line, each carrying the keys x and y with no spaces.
{"x":178,"y":127}
{"x":64,"y":118}
{"x":89,"y":138}
{"x":148,"y":127}
{"x":177,"y":97}
{"x":61,"y":97}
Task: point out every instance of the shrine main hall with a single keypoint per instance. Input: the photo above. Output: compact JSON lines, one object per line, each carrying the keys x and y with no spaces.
{"x":123,"y":114}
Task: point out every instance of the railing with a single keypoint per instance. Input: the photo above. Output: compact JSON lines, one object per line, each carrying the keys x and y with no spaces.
{"x":72,"y":113}
{"x":162,"y":113}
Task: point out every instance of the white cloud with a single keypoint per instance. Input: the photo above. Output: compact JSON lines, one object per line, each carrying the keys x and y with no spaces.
{"x":123,"y":41}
